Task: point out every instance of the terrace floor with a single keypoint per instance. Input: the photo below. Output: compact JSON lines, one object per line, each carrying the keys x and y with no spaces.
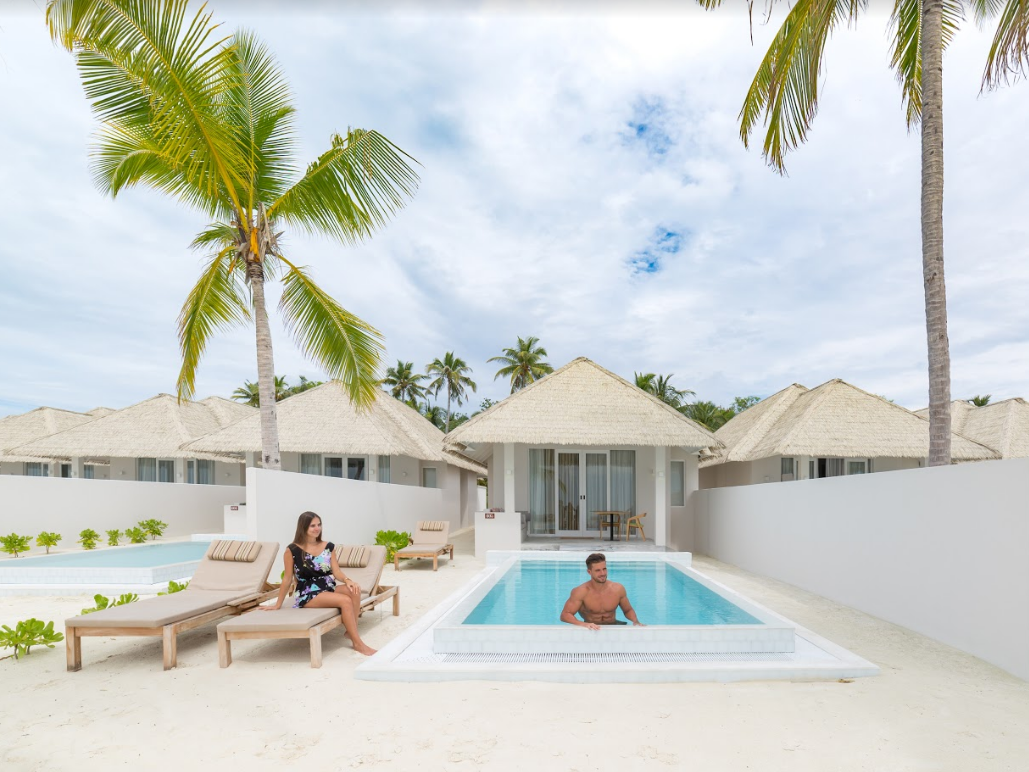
{"x":932,"y":708}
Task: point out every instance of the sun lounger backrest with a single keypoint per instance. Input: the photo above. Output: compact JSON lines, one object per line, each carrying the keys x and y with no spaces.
{"x":230,"y":575}
{"x":368,"y":578}
{"x":433,"y":537}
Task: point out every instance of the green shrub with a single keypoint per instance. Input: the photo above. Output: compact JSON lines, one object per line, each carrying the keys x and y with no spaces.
{"x":113,"y":536}
{"x":174,"y":586}
{"x":136,"y":535}
{"x":29,"y":633}
{"x":392,"y":541}
{"x":103,"y":602}
{"x":12,"y":544}
{"x":88,"y":539}
{"x":154,"y":528}
{"x":48,"y":540}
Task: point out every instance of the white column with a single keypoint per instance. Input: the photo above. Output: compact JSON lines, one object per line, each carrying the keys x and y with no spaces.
{"x":662,"y":524}
{"x":76,"y":466}
{"x":180,"y":470}
{"x":509,"y":477}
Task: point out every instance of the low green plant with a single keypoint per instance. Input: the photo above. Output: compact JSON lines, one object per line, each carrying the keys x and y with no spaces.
{"x":103,"y":602}
{"x":153,"y":527}
{"x":136,"y":535}
{"x":48,"y":540}
{"x":88,"y":539}
{"x":29,"y":633}
{"x":12,"y":544}
{"x":392,"y":541}
{"x":113,"y":536}
{"x":174,"y":586}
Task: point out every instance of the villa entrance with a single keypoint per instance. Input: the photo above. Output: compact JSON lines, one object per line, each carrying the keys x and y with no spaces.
{"x":567,"y":487}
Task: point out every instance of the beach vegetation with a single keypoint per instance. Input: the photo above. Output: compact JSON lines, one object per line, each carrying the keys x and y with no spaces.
{"x":661,"y":387}
{"x":153,"y":527}
{"x":136,"y":535}
{"x":405,"y":384}
{"x":88,"y":538}
{"x":523,"y":363}
{"x":14,"y":544}
{"x":113,"y":537}
{"x":451,"y":373}
{"x":174,"y":587}
{"x":207,"y":118}
{"x":48,"y":539}
{"x":980,"y":400}
{"x":29,"y":633}
{"x":392,"y":541}
{"x":103,"y":602}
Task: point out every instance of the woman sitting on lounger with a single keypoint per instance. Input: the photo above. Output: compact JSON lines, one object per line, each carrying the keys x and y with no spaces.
{"x":312,"y":563}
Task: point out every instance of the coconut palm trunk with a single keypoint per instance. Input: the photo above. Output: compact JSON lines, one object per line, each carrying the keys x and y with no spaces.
{"x":265,"y":369}
{"x":932,"y":232}
{"x":450,"y":395}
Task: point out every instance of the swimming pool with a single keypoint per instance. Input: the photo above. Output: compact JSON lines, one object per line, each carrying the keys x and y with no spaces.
{"x":515,"y":609}
{"x":141,"y":564}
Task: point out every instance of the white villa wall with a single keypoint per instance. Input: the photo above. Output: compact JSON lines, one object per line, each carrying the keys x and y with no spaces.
{"x":352,"y":510}
{"x":943,"y":551}
{"x":29,"y":505}
{"x":682,"y":520}
{"x":770,"y":470}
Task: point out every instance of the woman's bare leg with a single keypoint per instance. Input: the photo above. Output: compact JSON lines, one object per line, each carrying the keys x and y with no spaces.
{"x":344,"y":602}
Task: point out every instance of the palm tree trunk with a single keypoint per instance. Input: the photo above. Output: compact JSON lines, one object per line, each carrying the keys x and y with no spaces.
{"x":449,"y":394}
{"x":265,"y":370}
{"x":932,"y":232}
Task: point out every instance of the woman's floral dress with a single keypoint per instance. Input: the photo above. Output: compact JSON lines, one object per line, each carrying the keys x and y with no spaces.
{"x":313,"y":573}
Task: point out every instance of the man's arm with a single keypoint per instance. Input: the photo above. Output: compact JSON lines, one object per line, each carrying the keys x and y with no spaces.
{"x":628,"y":610}
{"x":572,"y":606}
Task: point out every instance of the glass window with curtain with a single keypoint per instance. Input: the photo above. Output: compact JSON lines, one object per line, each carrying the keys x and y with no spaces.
{"x":596,"y":488}
{"x":429,"y":477}
{"x":541,"y":491}
{"x":310,"y":463}
{"x":88,"y":472}
{"x":146,"y":469}
{"x":36,"y":469}
{"x":384,"y":469}
{"x":856,"y":467}
{"x":357,"y":468}
{"x":334,"y":467}
{"x":191,"y":472}
{"x":623,"y":481}
{"x":205,"y":472}
{"x":786,"y":466}
{"x":833,"y":467}
{"x":165,"y":471}
{"x":678,"y":483}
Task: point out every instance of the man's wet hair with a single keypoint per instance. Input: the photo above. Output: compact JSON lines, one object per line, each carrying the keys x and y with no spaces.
{"x":596,"y":557}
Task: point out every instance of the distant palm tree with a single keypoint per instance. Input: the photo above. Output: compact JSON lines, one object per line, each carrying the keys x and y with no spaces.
{"x":451,"y":374}
{"x":981,"y":401}
{"x":404,"y":383}
{"x":250,"y":394}
{"x":436,"y":415}
{"x":207,"y":118}
{"x":298,"y":388}
{"x":707,"y":413}
{"x":523,"y":364}
{"x":661,"y":387}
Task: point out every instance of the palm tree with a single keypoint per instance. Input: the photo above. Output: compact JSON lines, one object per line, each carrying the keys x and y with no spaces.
{"x":451,"y":374}
{"x":436,"y":415}
{"x":661,"y":387}
{"x":523,"y":364}
{"x":249,"y":393}
{"x":785,"y":93}
{"x":980,"y":400}
{"x":404,"y":383}
{"x":298,"y":388}
{"x":207,"y":119}
{"x":707,"y":413}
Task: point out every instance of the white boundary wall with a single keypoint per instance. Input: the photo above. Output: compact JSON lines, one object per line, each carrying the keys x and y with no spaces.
{"x":352,"y":510}
{"x":942,"y":551}
{"x":68,"y":505}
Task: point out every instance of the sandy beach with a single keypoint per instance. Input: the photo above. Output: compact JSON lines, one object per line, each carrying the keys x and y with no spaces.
{"x":932,"y":708}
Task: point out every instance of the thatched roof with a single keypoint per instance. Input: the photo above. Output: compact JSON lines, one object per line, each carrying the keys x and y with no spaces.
{"x":1003,"y":426}
{"x":833,"y":420}
{"x":580,"y":404}
{"x":324,"y":420}
{"x":16,"y":430}
{"x":100,"y":412}
{"x":154,"y":428}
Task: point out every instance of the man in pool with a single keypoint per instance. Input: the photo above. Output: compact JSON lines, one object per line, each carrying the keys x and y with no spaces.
{"x":596,"y":600}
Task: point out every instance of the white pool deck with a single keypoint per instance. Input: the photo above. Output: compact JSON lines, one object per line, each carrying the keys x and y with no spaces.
{"x":600,"y":656}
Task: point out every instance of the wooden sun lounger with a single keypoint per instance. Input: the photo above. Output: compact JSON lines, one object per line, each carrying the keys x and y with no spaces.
{"x":429,"y":541}
{"x":218,"y":589}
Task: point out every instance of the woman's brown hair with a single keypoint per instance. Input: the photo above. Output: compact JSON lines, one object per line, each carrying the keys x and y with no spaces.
{"x":300,"y":537}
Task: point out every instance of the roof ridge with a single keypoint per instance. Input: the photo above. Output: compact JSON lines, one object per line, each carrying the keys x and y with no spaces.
{"x":817,"y":399}
{"x":765,"y":422}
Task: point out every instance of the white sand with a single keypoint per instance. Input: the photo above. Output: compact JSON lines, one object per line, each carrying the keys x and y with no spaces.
{"x":933,"y":707}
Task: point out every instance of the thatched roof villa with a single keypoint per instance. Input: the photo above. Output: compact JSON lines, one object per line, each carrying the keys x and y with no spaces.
{"x":1003,"y":426}
{"x":832,"y":430}
{"x":17,"y":430}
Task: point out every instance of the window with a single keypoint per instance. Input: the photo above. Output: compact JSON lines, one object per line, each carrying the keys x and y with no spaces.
{"x":856,"y":467}
{"x":786,"y":467}
{"x":146,"y":469}
{"x":833,"y":467}
{"x":65,"y":470}
{"x":357,"y":468}
{"x":541,"y":491}
{"x":384,"y":469}
{"x":623,"y":480}
{"x":165,"y":471}
{"x":205,"y":472}
{"x":429,"y":477}
{"x":88,"y":472}
{"x":311,"y":463}
{"x":191,"y":472}
{"x":811,"y":469}
{"x":334,"y":467}
{"x":678,"y":483}
{"x":36,"y":469}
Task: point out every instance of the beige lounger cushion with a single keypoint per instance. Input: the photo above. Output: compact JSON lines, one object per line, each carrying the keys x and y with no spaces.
{"x":352,"y":557}
{"x":424,"y":536}
{"x":237,"y":551}
{"x":432,"y":525}
{"x":285,"y":619}
{"x":229,"y":575}
{"x":368,"y":577}
{"x":159,"y":611}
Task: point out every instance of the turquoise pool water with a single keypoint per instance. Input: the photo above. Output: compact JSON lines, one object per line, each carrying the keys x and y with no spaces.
{"x":533,"y":592}
{"x":134,"y":556}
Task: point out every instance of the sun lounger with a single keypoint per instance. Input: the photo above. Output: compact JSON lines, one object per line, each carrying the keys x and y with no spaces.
{"x":232,"y":578}
{"x":313,"y":623}
{"x":429,"y":541}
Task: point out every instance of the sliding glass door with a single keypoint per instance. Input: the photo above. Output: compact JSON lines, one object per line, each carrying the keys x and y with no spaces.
{"x":567,"y":488}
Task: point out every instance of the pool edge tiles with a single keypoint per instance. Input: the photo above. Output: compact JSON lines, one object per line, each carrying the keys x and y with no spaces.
{"x":450,"y":636}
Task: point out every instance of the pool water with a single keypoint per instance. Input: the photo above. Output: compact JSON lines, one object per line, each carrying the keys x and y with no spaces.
{"x":134,"y":556}
{"x":534,"y":592}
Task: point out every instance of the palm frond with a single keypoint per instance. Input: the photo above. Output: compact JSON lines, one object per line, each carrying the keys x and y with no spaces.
{"x":352,"y":189}
{"x":347,"y":348}
{"x":214,"y":303}
{"x":1009,"y":51}
{"x":906,"y":58}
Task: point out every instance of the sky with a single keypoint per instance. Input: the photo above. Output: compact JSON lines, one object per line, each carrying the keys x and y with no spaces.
{"x":582,"y":181}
